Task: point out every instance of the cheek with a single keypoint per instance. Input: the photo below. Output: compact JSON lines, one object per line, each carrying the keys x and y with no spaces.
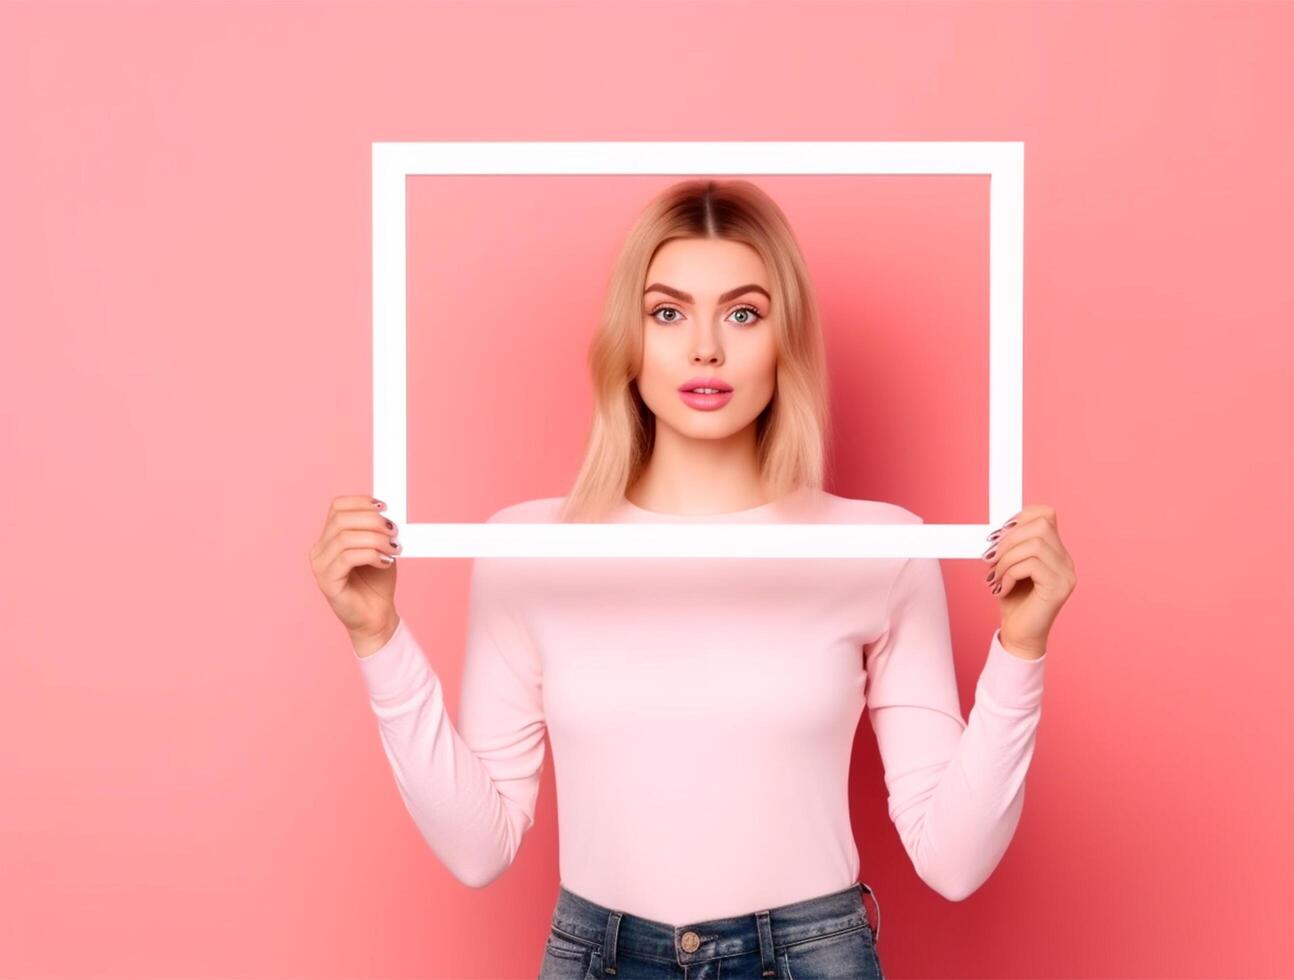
{"x":660,"y":359}
{"x":654,"y":377}
{"x":761,"y":367}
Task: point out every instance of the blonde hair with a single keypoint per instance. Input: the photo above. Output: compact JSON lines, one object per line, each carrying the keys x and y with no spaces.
{"x":792,"y":430}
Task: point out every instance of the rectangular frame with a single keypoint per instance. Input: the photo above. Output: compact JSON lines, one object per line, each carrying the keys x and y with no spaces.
{"x":1002,"y":161}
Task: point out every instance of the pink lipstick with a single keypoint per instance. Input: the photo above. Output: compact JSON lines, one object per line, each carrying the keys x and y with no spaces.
{"x":713,"y":393}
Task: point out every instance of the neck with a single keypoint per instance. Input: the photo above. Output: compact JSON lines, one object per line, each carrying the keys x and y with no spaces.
{"x":701,"y":476}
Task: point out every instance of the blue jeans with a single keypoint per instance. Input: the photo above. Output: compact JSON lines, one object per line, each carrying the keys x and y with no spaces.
{"x":824,"y":937}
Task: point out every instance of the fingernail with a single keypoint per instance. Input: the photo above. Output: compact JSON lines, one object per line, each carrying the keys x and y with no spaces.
{"x":994,"y":535}
{"x":997,"y":588}
{"x":1010,"y":524}
{"x":989,"y":577}
{"x":989,"y":554}
{"x":378,"y":504}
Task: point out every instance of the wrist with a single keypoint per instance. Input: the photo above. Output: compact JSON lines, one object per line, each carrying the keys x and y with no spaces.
{"x":367,"y":643}
{"x":1023,"y":650}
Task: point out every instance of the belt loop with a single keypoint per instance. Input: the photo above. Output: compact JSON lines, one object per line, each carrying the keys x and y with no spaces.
{"x":609,"y":945}
{"x":767,"y":958}
{"x":868,"y":889}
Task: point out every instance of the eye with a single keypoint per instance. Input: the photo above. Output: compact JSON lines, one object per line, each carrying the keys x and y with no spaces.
{"x":748,"y":311}
{"x":664,"y":308}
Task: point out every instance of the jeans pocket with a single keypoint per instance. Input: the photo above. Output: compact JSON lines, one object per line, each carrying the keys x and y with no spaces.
{"x":849,"y":953}
{"x":566,"y":957}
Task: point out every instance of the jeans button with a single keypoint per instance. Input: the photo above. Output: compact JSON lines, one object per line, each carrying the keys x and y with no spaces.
{"x":690,"y":942}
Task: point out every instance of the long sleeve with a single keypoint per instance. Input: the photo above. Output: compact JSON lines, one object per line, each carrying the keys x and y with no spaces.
{"x":956,"y":788}
{"x":471,"y":790}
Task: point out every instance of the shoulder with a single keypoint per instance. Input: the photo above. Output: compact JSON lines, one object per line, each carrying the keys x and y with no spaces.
{"x":500,"y":578}
{"x":835,"y":509}
{"x":541,"y":510}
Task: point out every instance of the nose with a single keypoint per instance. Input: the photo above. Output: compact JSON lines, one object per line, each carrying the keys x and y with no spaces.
{"x":705,"y":344}
{"x":707,"y":351}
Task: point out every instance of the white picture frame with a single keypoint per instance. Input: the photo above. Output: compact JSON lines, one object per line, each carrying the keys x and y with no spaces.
{"x":1002,"y":161}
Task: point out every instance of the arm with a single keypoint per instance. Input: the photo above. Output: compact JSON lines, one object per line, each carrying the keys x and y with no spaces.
{"x":956,"y":788}
{"x":471,"y":790}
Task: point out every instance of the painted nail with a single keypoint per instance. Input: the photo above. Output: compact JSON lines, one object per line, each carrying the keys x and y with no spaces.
{"x":997,"y":588}
{"x":990,"y":554}
{"x":989,"y":577}
{"x":994,"y":536}
{"x":1010,"y":523}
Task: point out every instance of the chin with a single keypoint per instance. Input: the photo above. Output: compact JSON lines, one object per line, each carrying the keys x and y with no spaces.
{"x":710,"y":428}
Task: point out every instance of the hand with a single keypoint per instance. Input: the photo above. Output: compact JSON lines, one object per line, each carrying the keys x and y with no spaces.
{"x":353,"y":563}
{"x":1033,"y":574}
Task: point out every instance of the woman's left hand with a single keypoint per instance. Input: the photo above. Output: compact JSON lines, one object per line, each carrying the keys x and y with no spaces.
{"x":1033,"y":574}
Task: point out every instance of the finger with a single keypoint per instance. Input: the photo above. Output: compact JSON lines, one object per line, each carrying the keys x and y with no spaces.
{"x":332,"y":573}
{"x":338,"y":571}
{"x":355,"y":501}
{"x":1044,"y":531}
{"x":364,"y":518}
{"x":1035,"y":547}
{"x":1039,"y":527}
{"x":1032,"y":512}
{"x":1031,"y":568}
{"x":1013,"y":537}
{"x":1048,"y":581}
{"x":345,"y":502}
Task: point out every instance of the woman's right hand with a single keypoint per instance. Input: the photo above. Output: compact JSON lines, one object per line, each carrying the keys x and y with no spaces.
{"x":350,"y":563}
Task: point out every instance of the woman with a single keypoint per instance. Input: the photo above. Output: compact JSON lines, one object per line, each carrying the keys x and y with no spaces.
{"x":702,"y":711}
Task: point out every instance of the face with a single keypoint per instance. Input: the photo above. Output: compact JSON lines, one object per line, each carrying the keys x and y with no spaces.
{"x":706,"y":309}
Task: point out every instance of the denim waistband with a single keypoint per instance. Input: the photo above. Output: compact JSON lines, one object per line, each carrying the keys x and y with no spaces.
{"x":761,"y":931}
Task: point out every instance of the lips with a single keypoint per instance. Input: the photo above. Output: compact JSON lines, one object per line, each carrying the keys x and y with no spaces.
{"x":694,"y":383}
{"x":705,"y":403}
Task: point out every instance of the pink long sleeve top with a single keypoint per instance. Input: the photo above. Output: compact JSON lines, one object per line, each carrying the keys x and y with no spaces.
{"x":702,"y":713}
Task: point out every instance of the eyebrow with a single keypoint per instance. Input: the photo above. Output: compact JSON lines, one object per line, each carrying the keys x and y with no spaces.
{"x":688,"y":298}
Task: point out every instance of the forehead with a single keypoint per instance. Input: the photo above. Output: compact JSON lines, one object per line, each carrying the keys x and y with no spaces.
{"x":706,"y":267}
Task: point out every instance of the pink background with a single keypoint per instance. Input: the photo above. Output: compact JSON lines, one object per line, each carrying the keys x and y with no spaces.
{"x":192,"y":781}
